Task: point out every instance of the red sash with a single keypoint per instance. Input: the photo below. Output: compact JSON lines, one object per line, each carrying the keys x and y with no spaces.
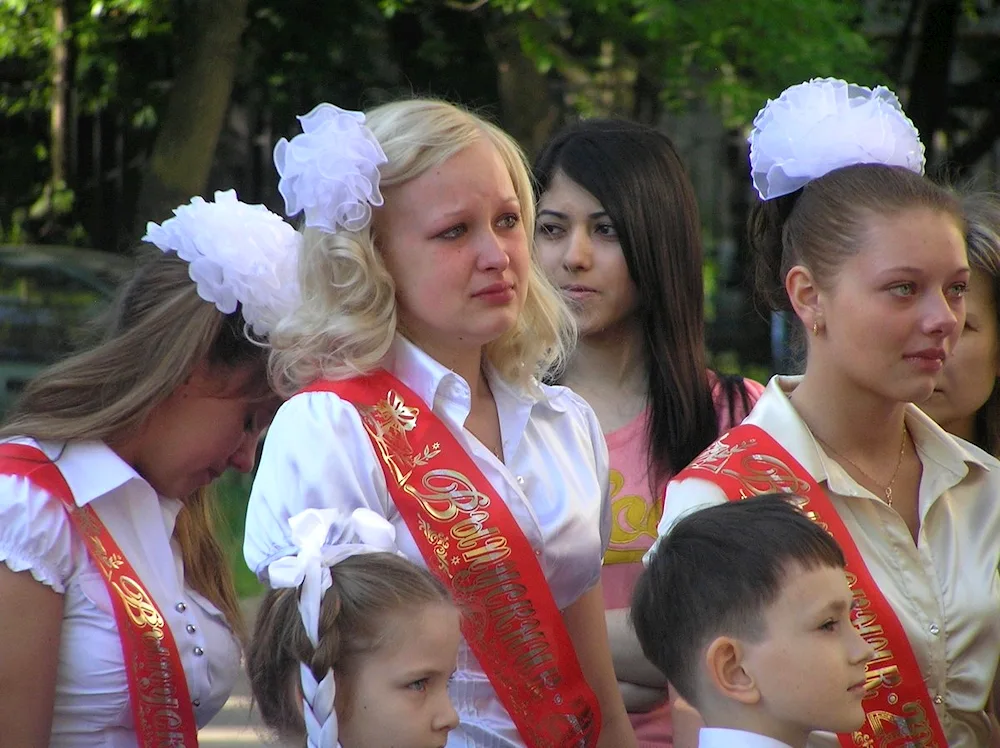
{"x":899,"y":712}
{"x":473,"y":544}
{"x":158,"y":690}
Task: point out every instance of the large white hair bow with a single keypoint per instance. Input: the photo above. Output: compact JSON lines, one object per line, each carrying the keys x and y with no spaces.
{"x":824,"y":124}
{"x":324,"y":538}
{"x":236,"y":253}
{"x":330,"y":171}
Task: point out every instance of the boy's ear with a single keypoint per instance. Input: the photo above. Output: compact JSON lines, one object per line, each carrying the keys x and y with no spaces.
{"x":726,"y":671}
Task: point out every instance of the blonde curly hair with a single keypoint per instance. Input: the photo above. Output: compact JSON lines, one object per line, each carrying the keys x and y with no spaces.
{"x":348,"y":317}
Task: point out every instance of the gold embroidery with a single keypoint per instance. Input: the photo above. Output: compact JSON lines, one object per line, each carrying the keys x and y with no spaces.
{"x":387,"y":423}
{"x":632,"y":517}
{"x":757,"y":473}
{"x":913,"y":727}
{"x":151,"y":668}
{"x":139,"y":607}
{"x":439,"y":541}
{"x":489,"y":586}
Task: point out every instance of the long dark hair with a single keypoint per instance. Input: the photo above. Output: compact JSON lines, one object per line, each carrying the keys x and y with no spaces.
{"x":636,"y":174}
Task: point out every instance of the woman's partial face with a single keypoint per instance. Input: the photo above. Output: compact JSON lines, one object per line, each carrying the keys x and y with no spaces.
{"x":971,"y":372}
{"x":454,"y":243}
{"x":896,"y":307}
{"x":581,"y":253}
{"x":211,"y":423}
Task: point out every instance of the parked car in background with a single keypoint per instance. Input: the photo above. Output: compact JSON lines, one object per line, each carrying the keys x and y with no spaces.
{"x":47,"y":294}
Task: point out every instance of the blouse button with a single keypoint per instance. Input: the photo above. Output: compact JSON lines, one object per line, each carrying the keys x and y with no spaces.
{"x":520,"y":480}
{"x":180,"y":607}
{"x":190,"y":628}
{"x":934,"y":629}
{"x":196,"y":702}
{"x":938,"y":699}
{"x":199,"y":651}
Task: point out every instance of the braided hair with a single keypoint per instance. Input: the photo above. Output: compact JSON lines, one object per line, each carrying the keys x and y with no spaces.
{"x":370,"y":592}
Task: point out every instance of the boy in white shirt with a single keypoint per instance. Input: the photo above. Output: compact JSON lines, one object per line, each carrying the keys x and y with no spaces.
{"x":746,"y":609}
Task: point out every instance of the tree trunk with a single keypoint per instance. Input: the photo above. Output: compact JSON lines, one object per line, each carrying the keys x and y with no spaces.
{"x":60,"y":94}
{"x":528,"y":111}
{"x":184,"y":149}
{"x":928,"y":101}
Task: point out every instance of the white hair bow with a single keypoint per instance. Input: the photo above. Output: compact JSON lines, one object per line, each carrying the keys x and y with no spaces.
{"x":825,"y":124}
{"x":236,"y":254}
{"x":331,"y":170}
{"x":324,"y":538}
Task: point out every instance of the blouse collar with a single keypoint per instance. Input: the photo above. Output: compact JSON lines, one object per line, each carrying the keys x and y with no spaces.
{"x":951,"y":455}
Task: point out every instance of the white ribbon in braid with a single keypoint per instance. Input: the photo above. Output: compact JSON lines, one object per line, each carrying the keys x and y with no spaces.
{"x":324,"y":538}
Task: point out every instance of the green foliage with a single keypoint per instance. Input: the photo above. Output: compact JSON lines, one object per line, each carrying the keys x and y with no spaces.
{"x":232,"y":491}
{"x":734,"y":54}
{"x":98,"y":31}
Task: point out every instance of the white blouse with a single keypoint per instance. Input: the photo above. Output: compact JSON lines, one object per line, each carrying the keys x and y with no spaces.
{"x":719,"y":737}
{"x":555,"y":483}
{"x":945,"y":589}
{"x":92,"y":707}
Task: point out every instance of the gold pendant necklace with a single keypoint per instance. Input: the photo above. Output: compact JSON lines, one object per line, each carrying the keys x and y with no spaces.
{"x":886,"y":488}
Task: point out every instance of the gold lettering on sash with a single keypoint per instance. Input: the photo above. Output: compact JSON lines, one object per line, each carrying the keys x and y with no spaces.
{"x":907,"y":724}
{"x":889,"y":728}
{"x":137,"y":603}
{"x":490,"y":577}
{"x":439,"y":541}
{"x":163,"y":726}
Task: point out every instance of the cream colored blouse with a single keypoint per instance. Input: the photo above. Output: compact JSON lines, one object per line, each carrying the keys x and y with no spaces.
{"x":945,"y":589}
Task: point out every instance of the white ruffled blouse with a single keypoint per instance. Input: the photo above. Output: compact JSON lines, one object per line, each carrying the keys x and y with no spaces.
{"x":36,"y":534}
{"x":555,"y":483}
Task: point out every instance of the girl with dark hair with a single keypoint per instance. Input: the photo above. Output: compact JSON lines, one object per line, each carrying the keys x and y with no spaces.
{"x":870,"y":256}
{"x":618,"y":231}
{"x":966,"y":401}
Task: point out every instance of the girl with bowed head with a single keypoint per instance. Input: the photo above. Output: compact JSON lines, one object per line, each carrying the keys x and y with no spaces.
{"x":966,"y":401}
{"x":115,"y":595}
{"x":618,"y":230}
{"x":356,"y":645}
{"x":415,"y":354}
{"x":871,"y":258}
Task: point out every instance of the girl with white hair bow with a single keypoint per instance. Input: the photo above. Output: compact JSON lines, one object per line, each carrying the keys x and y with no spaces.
{"x":413,"y":372}
{"x":355,"y":645}
{"x":870,"y":256}
{"x":121,"y":624}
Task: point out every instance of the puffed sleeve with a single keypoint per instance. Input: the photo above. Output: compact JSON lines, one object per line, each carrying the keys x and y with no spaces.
{"x":602,"y":461}
{"x":36,"y":533}
{"x":589,"y":524}
{"x":316,"y":454}
{"x":681,"y":498}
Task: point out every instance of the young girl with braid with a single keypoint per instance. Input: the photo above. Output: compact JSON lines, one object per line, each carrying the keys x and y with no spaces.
{"x":367,"y":661}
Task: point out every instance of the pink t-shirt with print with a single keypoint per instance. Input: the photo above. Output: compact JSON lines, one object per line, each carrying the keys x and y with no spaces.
{"x":635,"y":514}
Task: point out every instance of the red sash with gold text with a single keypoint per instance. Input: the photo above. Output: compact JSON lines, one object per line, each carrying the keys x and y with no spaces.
{"x":473,"y":544}
{"x":899,"y":712}
{"x":158,"y":691}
